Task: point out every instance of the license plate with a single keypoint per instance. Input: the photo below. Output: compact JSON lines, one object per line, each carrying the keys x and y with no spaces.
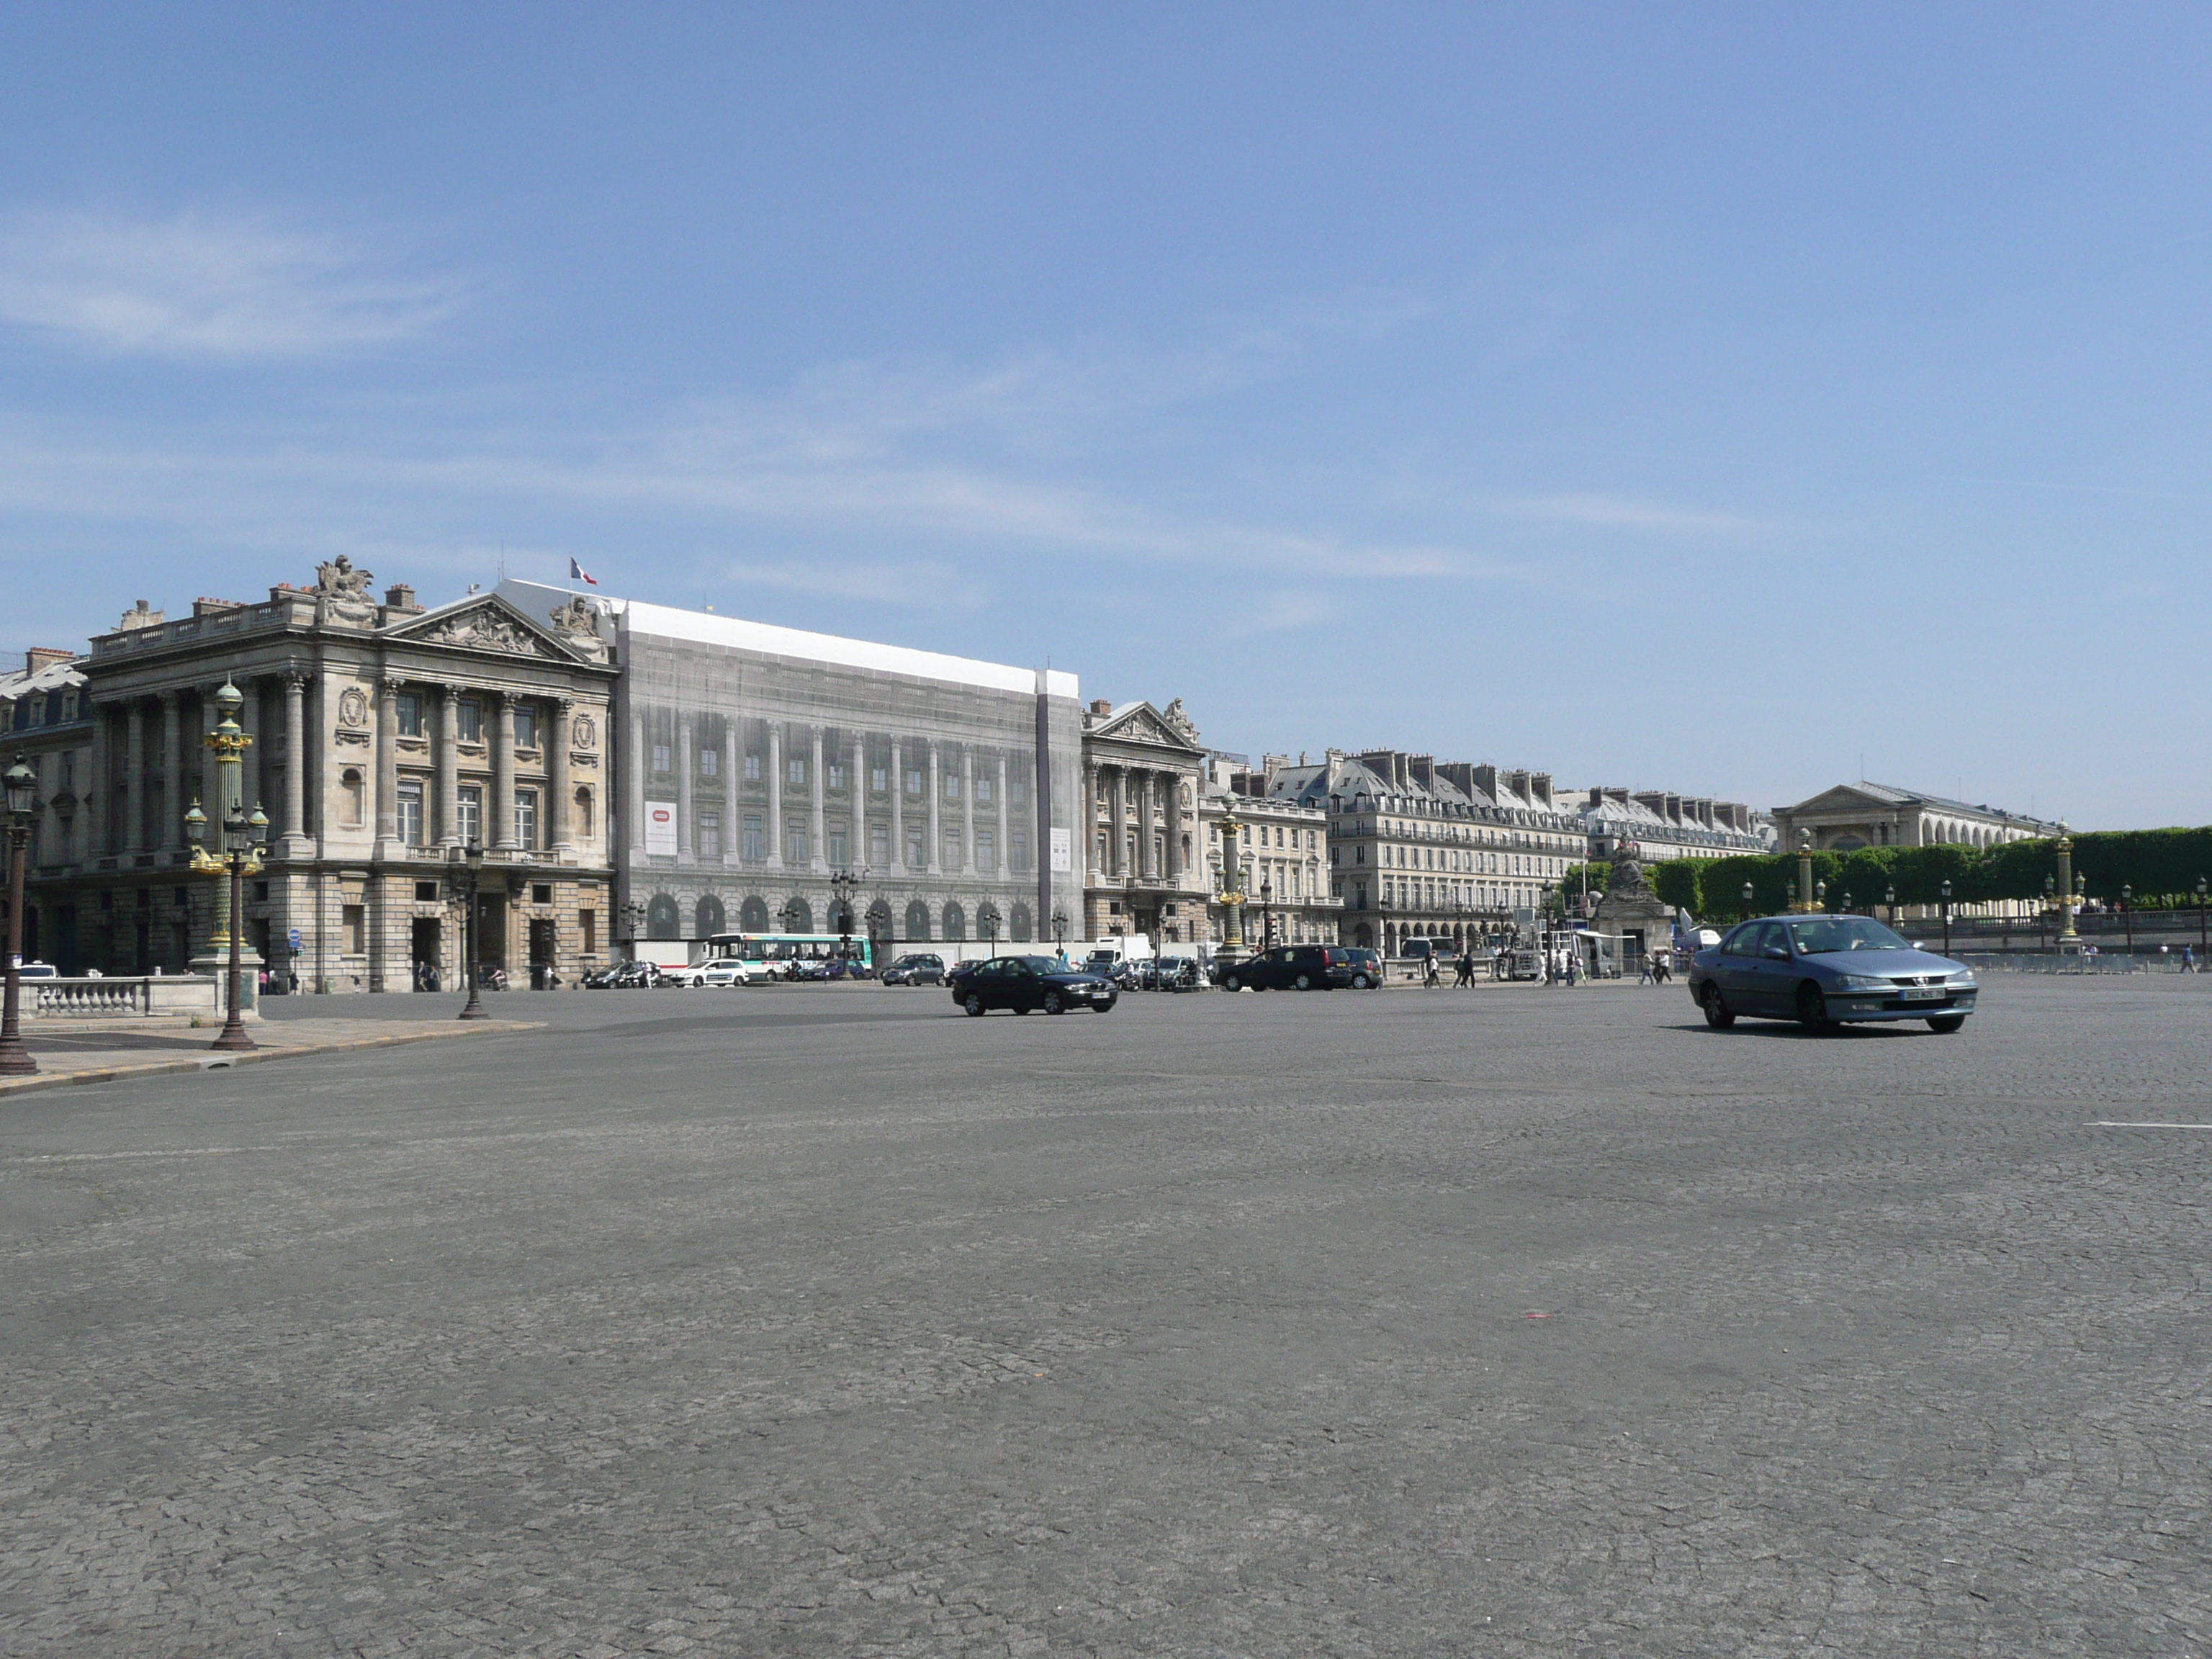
{"x":1922,"y":993}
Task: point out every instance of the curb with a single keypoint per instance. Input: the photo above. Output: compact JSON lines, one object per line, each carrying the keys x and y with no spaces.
{"x":210,"y":1061}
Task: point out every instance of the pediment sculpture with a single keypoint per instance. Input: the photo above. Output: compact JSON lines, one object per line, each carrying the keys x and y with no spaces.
{"x":485,"y":629}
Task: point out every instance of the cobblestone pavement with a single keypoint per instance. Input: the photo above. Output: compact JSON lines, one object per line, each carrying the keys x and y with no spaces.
{"x":1540,"y":1322}
{"x":79,"y":1052}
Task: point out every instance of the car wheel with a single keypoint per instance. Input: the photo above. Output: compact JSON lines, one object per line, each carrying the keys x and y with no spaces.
{"x":1360,"y":981}
{"x":974,"y":1007}
{"x":1718,"y":1015}
{"x":1944,"y":1024}
{"x":1812,"y":1007}
{"x":1306,"y":982}
{"x":1053,"y":1005}
{"x":1230,"y":982}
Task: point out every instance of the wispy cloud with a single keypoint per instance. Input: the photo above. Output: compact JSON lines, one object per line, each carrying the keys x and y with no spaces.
{"x":1614,"y":513}
{"x":203,"y":287}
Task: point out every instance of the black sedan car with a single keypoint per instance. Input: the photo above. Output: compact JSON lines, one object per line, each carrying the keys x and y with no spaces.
{"x":1022,"y":983}
{"x":1823,"y":971}
{"x":1299,"y":968}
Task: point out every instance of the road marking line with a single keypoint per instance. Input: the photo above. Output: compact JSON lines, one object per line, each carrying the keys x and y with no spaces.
{"x":2101,"y":1125}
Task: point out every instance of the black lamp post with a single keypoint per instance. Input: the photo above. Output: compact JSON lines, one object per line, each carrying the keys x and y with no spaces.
{"x":988,"y":919}
{"x":1821,"y":895}
{"x":22,"y":799}
{"x":241,"y":841}
{"x":1946,"y":918}
{"x":1267,"y":915}
{"x":1889,"y":902}
{"x":2128,"y":914}
{"x":468,"y":873}
{"x":1060,"y":931}
{"x":1847,"y":901}
{"x":841,"y":886}
{"x":1747,"y":892}
{"x":2200,"y":916}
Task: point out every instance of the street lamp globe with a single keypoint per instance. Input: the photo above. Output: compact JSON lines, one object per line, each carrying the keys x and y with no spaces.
{"x":196,"y":825}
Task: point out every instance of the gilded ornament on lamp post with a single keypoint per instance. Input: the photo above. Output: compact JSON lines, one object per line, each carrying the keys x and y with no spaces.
{"x":2066,"y":896}
{"x":236,"y":856}
{"x":1807,"y":903}
{"x":1231,"y":897}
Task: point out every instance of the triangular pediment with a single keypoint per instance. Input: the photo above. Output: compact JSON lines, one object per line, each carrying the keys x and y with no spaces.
{"x":1139,"y":722}
{"x":1844,"y":798}
{"x":485,"y":623}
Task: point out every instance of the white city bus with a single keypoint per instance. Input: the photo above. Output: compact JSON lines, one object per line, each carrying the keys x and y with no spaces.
{"x":789,"y":956}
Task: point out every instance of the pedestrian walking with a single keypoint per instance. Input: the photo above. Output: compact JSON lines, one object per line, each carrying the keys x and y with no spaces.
{"x":1466,"y":968}
{"x":1428,"y":977}
{"x":2188,"y":958}
{"x":1643,"y":974}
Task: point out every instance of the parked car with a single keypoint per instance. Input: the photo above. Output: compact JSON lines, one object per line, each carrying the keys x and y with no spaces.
{"x":39,"y":971}
{"x":1022,"y":983}
{"x":1294,"y":967}
{"x":1823,"y":971}
{"x":723,"y":973}
{"x":1366,"y":967}
{"x":921,"y":968}
{"x":684,"y":976}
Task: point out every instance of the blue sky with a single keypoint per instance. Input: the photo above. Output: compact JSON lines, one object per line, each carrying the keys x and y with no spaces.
{"x":1726,"y":399}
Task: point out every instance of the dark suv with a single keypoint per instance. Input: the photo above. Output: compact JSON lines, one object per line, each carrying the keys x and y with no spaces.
{"x":1295,"y":968}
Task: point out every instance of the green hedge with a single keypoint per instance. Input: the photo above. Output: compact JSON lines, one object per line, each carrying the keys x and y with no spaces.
{"x":2162,"y":866}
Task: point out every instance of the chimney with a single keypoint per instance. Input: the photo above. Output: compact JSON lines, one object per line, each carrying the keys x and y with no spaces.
{"x":41,"y":658}
{"x":1540,"y":784}
{"x":140,"y":615}
{"x":1100,"y":706}
{"x":1423,"y":769}
{"x":1652,"y":801}
{"x":1516,"y":782}
{"x":207,"y":607}
{"x":400,"y":597}
{"x":1485,"y":777}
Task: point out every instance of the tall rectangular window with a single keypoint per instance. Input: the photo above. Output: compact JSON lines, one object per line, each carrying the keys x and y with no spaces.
{"x":710,"y":763}
{"x":914,"y":780}
{"x":752,"y":768}
{"x":353,"y":924}
{"x":471,"y":721}
{"x":951,"y":847}
{"x":951,"y":784}
{"x":880,"y":845}
{"x":710,"y":834}
{"x":756,"y":842}
{"x":794,"y":771}
{"x":1017,"y":789}
{"x":587,"y":926}
{"x":1018,"y":849}
{"x":795,"y":838}
{"x":986,"y":849}
{"x":411,"y":814}
{"x":408,"y":707}
{"x":660,"y":762}
{"x":983,"y":790}
{"x":836,"y":770}
{"x":526,"y":818}
{"x":470,"y":802}
{"x":837,"y":845}
{"x":526,"y":726}
{"x":917,"y":855}
{"x":879,"y":780}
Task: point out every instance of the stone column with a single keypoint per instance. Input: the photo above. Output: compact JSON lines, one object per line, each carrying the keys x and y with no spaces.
{"x":1003,"y":850}
{"x":1148,"y":797}
{"x":210,"y":784}
{"x":171,"y":832}
{"x":1173,"y":839}
{"x":559,"y":818}
{"x":295,"y":763}
{"x":775,"y":794}
{"x":936,"y":847}
{"x":98,"y":798}
{"x":819,"y":859}
{"x":899,"y":806}
{"x":1117,"y":806}
{"x":387,"y":763}
{"x":685,"y":767}
{"x":856,"y":807}
{"x":449,"y":767}
{"x":503,"y":772}
{"x":134,"y":776}
{"x":732,"y":817}
{"x":967,"y":809}
{"x":1086,"y":824}
{"x":640,"y":760}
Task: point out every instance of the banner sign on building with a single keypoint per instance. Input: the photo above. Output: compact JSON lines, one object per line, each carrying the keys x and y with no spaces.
{"x":659,"y":830}
{"x":1063,"y":855}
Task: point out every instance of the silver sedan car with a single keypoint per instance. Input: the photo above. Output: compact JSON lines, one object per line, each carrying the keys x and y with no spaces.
{"x":1827,"y":970}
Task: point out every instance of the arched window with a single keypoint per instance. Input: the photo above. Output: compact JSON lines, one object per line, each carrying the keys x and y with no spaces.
{"x":1363,"y":937}
{"x":956,"y":920}
{"x":797,"y":915}
{"x":917,"y":921}
{"x":1019,"y":928}
{"x":583,"y":813}
{"x":752,"y":915}
{"x":354,"y":796}
{"x":661,"y":918}
{"x":707,"y":917}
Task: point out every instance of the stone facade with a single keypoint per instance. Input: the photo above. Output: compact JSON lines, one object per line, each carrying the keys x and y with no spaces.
{"x":1145,"y":866}
{"x":1421,"y":848}
{"x":383,"y":737}
{"x":758,"y":763}
{"x":1854,"y":814}
{"x":1653,"y":824}
{"x":1282,"y":852}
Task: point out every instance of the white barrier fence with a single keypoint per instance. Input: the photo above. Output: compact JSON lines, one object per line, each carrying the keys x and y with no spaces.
{"x":123,"y":999}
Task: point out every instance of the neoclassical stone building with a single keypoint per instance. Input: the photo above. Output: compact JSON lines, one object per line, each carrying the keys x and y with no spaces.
{"x":1854,"y":814}
{"x":384,"y":736}
{"x":755,"y":763}
{"x":1147,"y":871}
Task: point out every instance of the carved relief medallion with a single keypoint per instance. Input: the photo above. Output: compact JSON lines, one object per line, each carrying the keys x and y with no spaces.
{"x":353,"y":706}
{"x":585,"y":733}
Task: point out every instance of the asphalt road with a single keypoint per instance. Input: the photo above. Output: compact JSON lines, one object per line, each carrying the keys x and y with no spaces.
{"x":829,"y":1322}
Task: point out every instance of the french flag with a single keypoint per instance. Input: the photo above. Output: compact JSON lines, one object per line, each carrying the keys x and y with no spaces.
{"x":577,"y":572}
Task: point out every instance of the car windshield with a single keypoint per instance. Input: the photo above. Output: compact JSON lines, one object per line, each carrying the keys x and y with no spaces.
{"x":1039,"y":964}
{"x":1813,"y":939}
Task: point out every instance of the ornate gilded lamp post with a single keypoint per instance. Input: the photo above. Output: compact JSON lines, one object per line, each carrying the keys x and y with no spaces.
{"x":1806,"y":903}
{"x":238,"y":856}
{"x":1231,"y":898}
{"x":468,"y":874}
{"x":2065,"y":884}
{"x":22,"y":801}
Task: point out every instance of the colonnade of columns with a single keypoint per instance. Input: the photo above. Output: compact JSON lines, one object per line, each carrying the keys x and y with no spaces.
{"x":1151,"y":802}
{"x":442,"y":727}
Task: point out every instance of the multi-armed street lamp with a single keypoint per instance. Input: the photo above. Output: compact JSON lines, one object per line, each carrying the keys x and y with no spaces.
{"x":238,"y":855}
{"x":468,"y":875}
{"x":986,"y":918}
{"x":1060,"y":931}
{"x":842,"y":885}
{"x":22,"y":799}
